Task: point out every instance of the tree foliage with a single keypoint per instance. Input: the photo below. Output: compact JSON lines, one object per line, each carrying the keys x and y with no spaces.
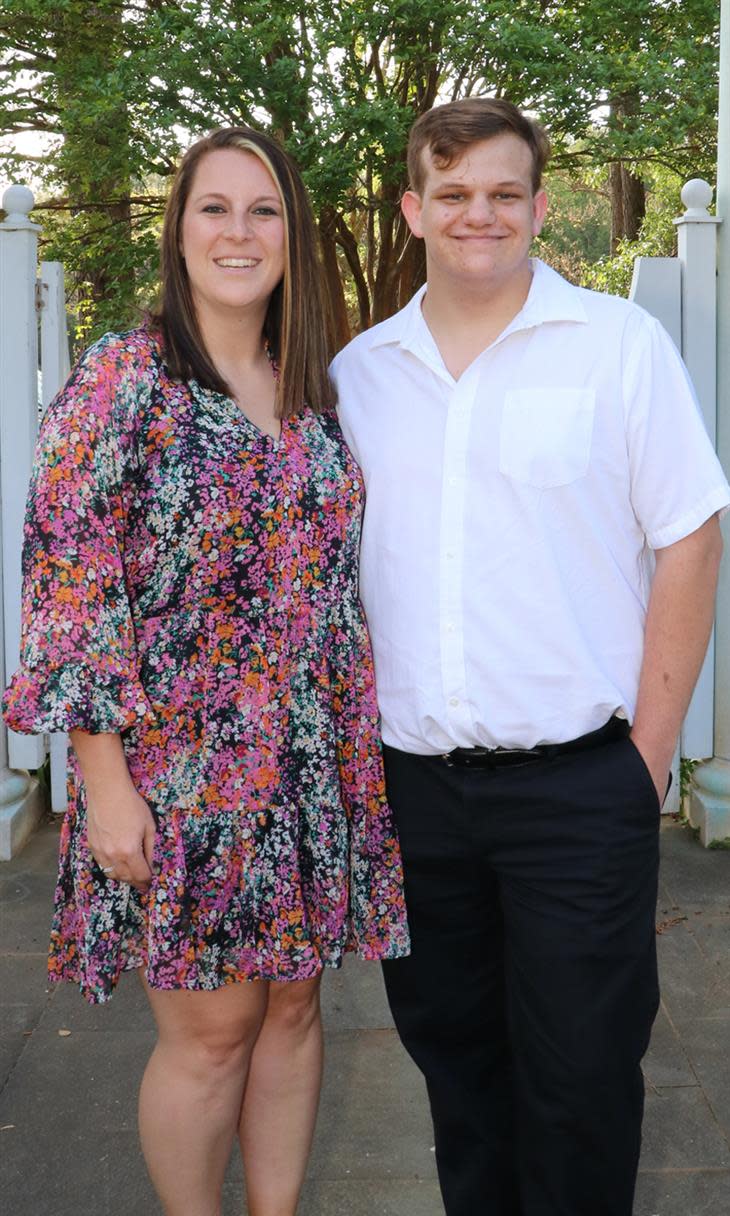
{"x":119,"y":88}
{"x":657,"y":238}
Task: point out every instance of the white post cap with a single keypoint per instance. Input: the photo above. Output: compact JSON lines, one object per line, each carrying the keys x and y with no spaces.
{"x":696,"y":196}
{"x":17,"y":202}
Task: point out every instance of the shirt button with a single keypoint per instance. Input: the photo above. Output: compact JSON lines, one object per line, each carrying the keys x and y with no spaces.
{"x":453,"y":481}
{"x":450,"y":554}
{"x":453,"y":701}
{"x":450,"y":626}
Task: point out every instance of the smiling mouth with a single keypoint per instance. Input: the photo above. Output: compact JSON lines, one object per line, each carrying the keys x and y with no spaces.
{"x":237,"y":263}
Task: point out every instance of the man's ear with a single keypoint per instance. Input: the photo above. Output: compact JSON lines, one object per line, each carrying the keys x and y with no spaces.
{"x":410,"y":205}
{"x":539,"y":208}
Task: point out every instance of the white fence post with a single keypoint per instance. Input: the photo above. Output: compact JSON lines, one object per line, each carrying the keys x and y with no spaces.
{"x":55,"y":363}
{"x":55,"y":367}
{"x":697,"y":255}
{"x":710,"y":801}
{"x":656,"y":285}
{"x":20,"y":803}
{"x":681,"y":293}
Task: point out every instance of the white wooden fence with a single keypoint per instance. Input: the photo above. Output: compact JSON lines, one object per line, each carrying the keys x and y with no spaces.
{"x":680,"y":291}
{"x":25,"y":298}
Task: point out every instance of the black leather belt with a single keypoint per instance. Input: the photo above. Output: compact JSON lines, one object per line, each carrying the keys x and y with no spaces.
{"x":499,"y":757}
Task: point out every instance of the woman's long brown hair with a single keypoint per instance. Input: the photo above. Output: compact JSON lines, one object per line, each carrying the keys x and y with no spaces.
{"x":297,"y":327}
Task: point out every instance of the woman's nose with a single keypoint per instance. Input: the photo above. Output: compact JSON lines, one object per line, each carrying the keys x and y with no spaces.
{"x":239,"y":225}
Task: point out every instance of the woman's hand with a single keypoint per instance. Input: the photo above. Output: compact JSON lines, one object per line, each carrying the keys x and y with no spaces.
{"x":120,"y":826}
{"x":121,"y":834}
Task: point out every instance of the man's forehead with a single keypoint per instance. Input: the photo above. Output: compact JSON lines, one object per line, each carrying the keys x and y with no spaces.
{"x":505,"y":153}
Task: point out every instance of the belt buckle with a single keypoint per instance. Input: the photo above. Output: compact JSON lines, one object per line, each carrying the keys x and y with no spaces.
{"x":483,"y":753}
{"x":491,"y":757}
{"x":520,"y":756}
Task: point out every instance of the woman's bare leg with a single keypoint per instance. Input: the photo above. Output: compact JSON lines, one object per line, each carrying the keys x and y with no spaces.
{"x":281,"y":1098}
{"x":190,"y":1100}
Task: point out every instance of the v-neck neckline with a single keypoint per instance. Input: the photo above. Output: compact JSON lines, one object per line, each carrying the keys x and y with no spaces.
{"x":208,"y":396}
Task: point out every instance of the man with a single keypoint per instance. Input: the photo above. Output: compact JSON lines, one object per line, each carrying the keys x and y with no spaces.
{"x":525,"y":443}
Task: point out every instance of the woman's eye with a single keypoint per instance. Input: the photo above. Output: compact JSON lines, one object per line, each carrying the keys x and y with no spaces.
{"x":213,"y":209}
{"x":266,"y":211}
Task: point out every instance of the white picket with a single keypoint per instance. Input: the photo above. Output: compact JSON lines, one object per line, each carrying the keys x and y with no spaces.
{"x":55,"y":367}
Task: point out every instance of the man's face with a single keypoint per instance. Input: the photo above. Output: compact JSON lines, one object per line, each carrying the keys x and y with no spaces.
{"x":478,"y":216}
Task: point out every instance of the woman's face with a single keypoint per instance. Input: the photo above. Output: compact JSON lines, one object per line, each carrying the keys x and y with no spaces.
{"x":232,"y":236}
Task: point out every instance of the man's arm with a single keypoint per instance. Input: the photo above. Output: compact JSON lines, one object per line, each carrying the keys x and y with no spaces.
{"x":678,"y":626}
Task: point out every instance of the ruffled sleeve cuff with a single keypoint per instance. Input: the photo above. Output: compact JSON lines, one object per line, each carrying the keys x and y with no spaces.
{"x":73,"y":696}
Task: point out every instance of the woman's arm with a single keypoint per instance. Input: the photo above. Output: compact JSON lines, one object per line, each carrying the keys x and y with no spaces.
{"x":120,"y":827}
{"x":79,"y":667}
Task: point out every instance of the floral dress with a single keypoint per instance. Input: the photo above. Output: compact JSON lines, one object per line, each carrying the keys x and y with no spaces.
{"x":191,"y":583}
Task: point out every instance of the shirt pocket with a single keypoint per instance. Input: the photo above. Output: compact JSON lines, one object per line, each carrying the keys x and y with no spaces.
{"x":546,"y":433}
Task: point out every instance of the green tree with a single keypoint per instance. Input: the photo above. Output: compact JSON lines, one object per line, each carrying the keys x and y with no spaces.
{"x":649,"y":69}
{"x":657,"y":236}
{"x":577,"y":228}
{"x":76,"y":55}
{"x":122,"y":86}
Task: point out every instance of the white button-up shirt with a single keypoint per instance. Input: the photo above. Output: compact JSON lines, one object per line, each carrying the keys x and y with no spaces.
{"x":509,"y":515}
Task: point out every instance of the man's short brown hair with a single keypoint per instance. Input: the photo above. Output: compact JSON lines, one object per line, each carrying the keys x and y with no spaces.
{"x":448,"y":130}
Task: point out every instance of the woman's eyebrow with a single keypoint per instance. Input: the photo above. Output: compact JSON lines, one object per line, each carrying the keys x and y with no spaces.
{"x":262,"y":198}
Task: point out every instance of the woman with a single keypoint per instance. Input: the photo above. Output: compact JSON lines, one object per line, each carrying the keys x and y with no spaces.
{"x":191,"y":617}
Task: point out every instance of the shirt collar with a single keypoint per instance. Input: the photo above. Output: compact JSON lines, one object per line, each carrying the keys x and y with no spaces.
{"x":404,"y":327}
{"x":550,"y":298}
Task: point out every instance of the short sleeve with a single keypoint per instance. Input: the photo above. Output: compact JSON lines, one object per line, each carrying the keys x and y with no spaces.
{"x":677,"y":481}
{"x":78,"y":662}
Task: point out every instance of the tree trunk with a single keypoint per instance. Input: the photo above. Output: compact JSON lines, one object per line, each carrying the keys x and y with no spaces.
{"x":385,"y":286}
{"x":348,"y":244}
{"x":628,"y":194}
{"x":412,"y":269}
{"x":333,"y":278}
{"x":628,"y":204}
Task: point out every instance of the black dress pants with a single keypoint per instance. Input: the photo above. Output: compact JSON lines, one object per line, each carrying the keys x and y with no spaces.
{"x":529,"y":996}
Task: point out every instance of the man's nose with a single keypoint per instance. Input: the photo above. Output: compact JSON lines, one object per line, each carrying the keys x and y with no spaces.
{"x":480,"y":209}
